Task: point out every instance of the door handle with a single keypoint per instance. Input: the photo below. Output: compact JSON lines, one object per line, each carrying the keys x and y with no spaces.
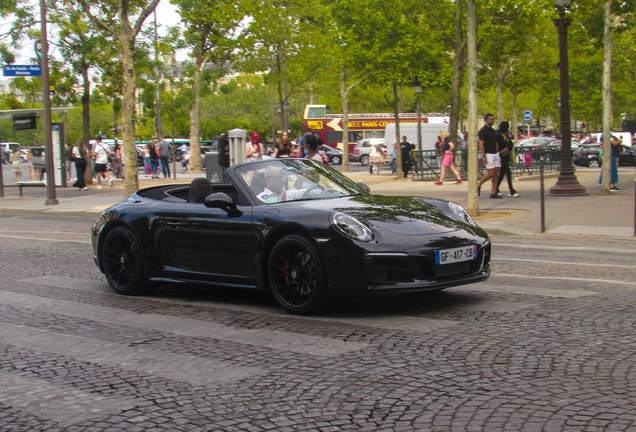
{"x":175,"y":225}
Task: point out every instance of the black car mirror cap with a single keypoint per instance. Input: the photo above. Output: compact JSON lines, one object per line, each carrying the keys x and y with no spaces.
{"x":222,"y":201}
{"x":363,"y":186}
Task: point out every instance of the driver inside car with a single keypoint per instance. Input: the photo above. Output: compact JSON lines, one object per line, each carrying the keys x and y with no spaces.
{"x":275,"y":188}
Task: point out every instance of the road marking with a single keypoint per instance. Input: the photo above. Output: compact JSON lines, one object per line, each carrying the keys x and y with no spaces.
{"x":534,"y":291}
{"x":608,"y":281}
{"x":45,"y":239}
{"x":65,"y":405}
{"x":572,"y":248}
{"x":278,"y":340}
{"x":383,"y":321}
{"x":562,"y":262}
{"x":179,"y":367}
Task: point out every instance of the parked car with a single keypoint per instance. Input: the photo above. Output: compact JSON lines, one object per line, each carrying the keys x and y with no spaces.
{"x":534,"y":142}
{"x":334,"y":155}
{"x":294,"y":227}
{"x":362,"y":149}
{"x":588,"y":156}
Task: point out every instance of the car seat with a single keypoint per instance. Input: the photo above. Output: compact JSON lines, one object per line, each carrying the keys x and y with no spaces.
{"x":200,"y":188}
{"x":258,"y":183}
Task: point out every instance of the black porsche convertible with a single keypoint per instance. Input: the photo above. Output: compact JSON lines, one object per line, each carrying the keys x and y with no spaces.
{"x":295,"y":227}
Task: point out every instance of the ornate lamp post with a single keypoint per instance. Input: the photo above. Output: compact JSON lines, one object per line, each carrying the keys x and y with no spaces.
{"x":567,"y":184}
{"x":417,"y":88}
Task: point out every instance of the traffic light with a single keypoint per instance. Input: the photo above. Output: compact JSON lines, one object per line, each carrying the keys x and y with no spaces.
{"x":536,"y":122}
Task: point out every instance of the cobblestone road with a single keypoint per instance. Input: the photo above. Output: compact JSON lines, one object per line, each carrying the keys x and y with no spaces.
{"x":547,"y":344}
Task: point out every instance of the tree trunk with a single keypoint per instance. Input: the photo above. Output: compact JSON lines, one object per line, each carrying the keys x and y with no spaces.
{"x":459,"y":46}
{"x":127,"y":40}
{"x":607,"y":98}
{"x":195,"y":118}
{"x":398,"y":146}
{"x":86,"y":117}
{"x":515,"y":120}
{"x":499,"y":91}
{"x":473,"y":201}
{"x":345,"y":119}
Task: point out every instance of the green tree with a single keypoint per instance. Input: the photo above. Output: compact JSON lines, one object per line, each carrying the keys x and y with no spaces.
{"x":114,"y":17}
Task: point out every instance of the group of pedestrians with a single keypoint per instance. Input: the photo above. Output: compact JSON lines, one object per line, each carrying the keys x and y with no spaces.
{"x":156,"y":156}
{"x":496,"y":148}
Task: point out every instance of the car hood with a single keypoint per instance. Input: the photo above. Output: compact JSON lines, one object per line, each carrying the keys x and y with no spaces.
{"x":408,"y":216}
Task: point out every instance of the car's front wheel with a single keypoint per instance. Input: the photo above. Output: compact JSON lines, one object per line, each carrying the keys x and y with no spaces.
{"x":336,"y":160}
{"x":122,"y":262}
{"x":296,"y":275}
{"x":364,"y":160}
{"x":594,"y":163}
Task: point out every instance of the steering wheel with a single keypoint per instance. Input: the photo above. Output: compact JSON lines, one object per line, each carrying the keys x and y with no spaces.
{"x":308,"y":191}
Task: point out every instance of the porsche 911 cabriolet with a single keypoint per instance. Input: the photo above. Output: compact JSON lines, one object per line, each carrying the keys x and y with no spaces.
{"x":295,"y":227}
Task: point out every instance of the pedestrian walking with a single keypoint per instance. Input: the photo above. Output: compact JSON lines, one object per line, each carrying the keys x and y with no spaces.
{"x":79,"y":157}
{"x":154,"y":158}
{"x":393,"y":161}
{"x":164,"y":156}
{"x":146,"y":152}
{"x":448,"y":158}
{"x":405,"y":150}
{"x":101,"y":160}
{"x":16,"y":164}
{"x":504,"y":143}
{"x":616,"y":150}
{"x":488,"y":147}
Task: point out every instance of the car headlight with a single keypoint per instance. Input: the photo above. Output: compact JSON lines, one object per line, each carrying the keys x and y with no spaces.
{"x":461,"y":213}
{"x":350,"y":227}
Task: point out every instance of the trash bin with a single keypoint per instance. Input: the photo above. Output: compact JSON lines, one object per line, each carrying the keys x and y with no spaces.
{"x":213,"y":170}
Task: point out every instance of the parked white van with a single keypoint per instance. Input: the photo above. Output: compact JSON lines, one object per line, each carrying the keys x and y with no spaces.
{"x":430,"y":132}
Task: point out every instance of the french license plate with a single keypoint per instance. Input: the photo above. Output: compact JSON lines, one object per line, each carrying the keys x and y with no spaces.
{"x":449,"y":256}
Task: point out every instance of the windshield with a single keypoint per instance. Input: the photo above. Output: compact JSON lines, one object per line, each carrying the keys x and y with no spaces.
{"x":279,"y":180}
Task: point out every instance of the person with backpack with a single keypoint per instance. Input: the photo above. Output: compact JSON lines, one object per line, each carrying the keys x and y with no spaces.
{"x":101,"y":153}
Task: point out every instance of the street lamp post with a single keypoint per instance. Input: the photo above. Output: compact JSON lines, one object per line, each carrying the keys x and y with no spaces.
{"x":567,"y":184}
{"x":417,"y":88}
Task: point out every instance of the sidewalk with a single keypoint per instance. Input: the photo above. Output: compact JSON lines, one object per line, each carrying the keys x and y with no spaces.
{"x":591,"y":215}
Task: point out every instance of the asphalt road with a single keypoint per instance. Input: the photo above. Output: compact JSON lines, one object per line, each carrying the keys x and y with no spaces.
{"x":547,"y":344}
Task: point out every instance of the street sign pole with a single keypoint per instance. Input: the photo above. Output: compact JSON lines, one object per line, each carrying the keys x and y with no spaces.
{"x":46,"y":99}
{"x":527,"y":118}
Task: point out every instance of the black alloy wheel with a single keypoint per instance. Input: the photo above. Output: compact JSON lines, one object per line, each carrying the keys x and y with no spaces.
{"x":594,"y":163}
{"x":122,"y":262}
{"x":296,"y":275}
{"x":364,"y":160}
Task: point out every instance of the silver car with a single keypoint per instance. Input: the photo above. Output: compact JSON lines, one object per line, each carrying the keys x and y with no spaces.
{"x":362,"y":149}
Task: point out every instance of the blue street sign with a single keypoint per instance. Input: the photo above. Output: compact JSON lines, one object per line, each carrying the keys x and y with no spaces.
{"x":527,"y":116}
{"x":22,"y":70}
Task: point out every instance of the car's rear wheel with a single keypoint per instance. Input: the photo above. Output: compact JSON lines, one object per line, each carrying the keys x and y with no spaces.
{"x":364,"y":160}
{"x":296,"y":275}
{"x":122,"y":262}
{"x":594,"y":163}
{"x":336,"y":160}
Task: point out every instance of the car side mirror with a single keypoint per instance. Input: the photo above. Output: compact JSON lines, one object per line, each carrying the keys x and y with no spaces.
{"x":222,"y":201}
{"x":363,"y":186}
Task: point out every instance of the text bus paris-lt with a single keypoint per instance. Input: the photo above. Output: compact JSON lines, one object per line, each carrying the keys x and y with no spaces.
{"x":329,"y":127}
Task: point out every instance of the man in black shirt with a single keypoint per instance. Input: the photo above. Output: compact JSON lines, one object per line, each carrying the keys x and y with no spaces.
{"x":488,"y":148}
{"x":405,"y":149}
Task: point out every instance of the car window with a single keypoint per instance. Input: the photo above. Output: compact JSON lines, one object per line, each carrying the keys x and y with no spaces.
{"x":279,"y":180}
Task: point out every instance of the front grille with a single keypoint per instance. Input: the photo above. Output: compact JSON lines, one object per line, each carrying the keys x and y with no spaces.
{"x":390,"y":269}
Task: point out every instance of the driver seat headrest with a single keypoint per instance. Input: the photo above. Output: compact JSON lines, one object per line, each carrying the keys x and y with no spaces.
{"x":200,"y":188}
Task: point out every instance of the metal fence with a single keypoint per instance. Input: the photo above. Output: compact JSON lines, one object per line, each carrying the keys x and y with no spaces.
{"x":428,"y":163}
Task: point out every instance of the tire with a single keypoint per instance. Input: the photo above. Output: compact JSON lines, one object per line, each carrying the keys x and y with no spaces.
{"x":364,"y":160}
{"x":593,"y":163}
{"x":336,"y":160}
{"x":296,"y":276}
{"x":122,"y":262}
